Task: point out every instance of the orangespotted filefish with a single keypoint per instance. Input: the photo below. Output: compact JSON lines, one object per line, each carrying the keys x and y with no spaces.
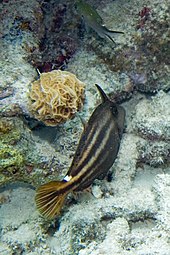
{"x":96,"y":152}
{"x":93,"y":20}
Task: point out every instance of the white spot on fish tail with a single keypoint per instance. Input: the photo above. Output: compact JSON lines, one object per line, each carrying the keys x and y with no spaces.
{"x":67,"y":178}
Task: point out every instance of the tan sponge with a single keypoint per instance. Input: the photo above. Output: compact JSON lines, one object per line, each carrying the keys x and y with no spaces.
{"x":56,"y":96}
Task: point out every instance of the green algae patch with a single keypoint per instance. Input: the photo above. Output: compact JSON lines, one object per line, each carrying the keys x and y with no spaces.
{"x":8,"y":132}
{"x":26,"y":158}
{"x":10,"y":156}
{"x":5,"y":126}
{"x":11,"y":163}
{"x":9,"y":136}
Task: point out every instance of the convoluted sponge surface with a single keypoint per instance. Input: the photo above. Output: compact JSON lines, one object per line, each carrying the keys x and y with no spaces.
{"x":56,"y":97}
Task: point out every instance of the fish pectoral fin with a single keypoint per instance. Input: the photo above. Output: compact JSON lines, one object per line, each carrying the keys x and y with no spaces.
{"x":49,"y":200}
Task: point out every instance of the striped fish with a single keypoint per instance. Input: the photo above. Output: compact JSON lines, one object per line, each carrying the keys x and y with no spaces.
{"x":96,"y":152}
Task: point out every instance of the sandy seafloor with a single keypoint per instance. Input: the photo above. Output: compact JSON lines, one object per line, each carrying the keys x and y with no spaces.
{"x":130,"y":213}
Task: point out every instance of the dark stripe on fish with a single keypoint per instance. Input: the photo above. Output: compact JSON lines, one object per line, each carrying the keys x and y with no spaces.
{"x":102,"y":161}
{"x":90,"y":148}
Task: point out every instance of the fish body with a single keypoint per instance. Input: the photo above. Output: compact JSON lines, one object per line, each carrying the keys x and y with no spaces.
{"x":93,"y":20}
{"x":96,"y":152}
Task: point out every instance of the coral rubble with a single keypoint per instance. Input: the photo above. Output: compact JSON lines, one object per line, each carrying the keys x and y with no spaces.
{"x":152,"y":123}
{"x":153,"y":117}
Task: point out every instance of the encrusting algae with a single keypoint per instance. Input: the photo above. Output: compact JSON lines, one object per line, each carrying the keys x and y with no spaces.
{"x":97,"y":150}
{"x":11,"y":157}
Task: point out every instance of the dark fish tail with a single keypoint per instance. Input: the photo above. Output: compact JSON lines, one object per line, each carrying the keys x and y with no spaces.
{"x":50,"y":198}
{"x":110,"y":38}
{"x":108,"y":33}
{"x":113,"y":31}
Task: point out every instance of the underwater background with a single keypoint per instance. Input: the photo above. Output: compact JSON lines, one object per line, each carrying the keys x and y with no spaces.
{"x":128,"y":211}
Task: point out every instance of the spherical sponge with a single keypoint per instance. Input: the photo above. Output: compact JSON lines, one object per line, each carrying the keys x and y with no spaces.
{"x":56,"y":96}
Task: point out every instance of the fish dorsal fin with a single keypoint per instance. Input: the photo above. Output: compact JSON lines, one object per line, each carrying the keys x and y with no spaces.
{"x":102,"y":93}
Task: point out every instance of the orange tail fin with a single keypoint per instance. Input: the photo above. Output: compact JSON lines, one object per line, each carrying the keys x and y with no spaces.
{"x":49,"y":199}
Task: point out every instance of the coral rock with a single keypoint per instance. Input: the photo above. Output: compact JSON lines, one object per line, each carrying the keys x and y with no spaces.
{"x":56,"y":97}
{"x":152,"y":118}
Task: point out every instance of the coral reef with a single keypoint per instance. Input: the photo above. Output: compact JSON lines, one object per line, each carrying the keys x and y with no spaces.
{"x":11,"y":158}
{"x":152,"y":119}
{"x":56,"y":97}
{"x":20,"y":28}
{"x":9,"y":134}
{"x":20,"y":33}
{"x":152,"y":122}
{"x":24,"y":157}
{"x":145,"y":55}
{"x":128,"y":212}
{"x":61,"y":40}
{"x":154,"y":153}
{"x":162,"y":189}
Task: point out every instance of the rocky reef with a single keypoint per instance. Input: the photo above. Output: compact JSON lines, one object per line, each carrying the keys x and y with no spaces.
{"x":144,"y":55}
{"x":11,"y":158}
{"x":127,"y":213}
{"x":23,"y":155}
